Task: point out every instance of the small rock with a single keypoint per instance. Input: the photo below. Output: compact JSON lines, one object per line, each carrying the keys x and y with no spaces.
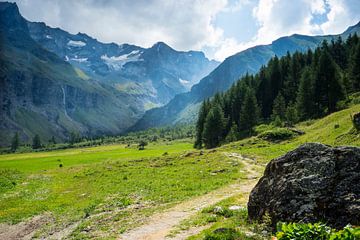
{"x":235,"y":208}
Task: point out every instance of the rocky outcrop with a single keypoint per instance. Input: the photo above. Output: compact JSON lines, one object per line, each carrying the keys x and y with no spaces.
{"x":312,"y":183}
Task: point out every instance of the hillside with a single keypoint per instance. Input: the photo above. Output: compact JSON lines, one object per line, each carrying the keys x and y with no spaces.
{"x":42,"y":94}
{"x":184,"y":107}
{"x":34,"y":184}
{"x":152,"y":75}
{"x":54,"y":83}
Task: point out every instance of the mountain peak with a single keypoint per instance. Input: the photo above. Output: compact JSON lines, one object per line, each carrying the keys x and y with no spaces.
{"x":352,"y":29}
{"x":161,"y":45}
{"x":10,"y":17}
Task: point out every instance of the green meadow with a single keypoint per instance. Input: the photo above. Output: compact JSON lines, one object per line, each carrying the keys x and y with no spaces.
{"x":70,"y":185}
{"x":103,"y":191}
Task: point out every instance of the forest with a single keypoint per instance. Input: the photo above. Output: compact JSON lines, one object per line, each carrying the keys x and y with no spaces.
{"x":293,"y":88}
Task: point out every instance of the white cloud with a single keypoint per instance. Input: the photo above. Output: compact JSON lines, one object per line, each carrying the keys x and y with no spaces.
{"x":343,"y":13}
{"x":277,"y":18}
{"x":190,"y":24}
{"x":184,"y":25}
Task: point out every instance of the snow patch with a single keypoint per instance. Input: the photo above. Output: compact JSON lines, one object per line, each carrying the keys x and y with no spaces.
{"x":48,"y":37}
{"x":66,"y":58}
{"x":184,"y":82}
{"x":79,"y":59}
{"x":72,"y":43}
{"x":117,"y":62}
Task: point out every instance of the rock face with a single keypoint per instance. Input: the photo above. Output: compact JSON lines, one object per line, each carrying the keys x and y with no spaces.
{"x":311,"y":183}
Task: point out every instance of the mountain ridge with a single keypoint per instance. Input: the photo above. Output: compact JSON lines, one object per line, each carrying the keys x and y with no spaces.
{"x":48,"y":88}
{"x":183,"y":108}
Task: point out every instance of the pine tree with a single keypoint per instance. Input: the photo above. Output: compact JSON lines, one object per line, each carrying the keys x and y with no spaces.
{"x":328,"y":84}
{"x":200,"y":124}
{"x":36,"y":142}
{"x":213,"y":127}
{"x":305,"y":98}
{"x":291,"y":115}
{"x":354,"y":69}
{"x":15,"y":142}
{"x":233,"y":134}
{"x":279,"y":108}
{"x":249,"y":115}
{"x":52,"y":140}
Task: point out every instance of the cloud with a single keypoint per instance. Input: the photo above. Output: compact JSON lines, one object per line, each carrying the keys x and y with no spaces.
{"x":342,"y":14}
{"x":277,"y":18}
{"x":185,"y":24}
{"x":191,"y":24}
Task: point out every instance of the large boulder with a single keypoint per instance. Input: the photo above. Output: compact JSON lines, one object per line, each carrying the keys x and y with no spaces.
{"x":312,"y":183}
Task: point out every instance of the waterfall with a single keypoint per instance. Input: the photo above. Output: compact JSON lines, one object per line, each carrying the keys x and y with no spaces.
{"x":64,"y":100}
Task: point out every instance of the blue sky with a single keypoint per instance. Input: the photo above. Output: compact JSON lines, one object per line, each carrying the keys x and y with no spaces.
{"x":220,"y":28}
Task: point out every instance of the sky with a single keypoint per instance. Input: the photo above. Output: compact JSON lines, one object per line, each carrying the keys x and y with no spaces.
{"x":220,"y":28}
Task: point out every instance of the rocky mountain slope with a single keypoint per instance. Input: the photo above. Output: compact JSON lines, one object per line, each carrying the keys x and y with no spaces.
{"x":184,"y":107}
{"x":53,"y":82}
{"x":42,"y":94}
{"x":154,"y":75}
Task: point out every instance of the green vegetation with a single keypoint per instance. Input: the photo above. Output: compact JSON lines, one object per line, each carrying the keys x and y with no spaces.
{"x":76,"y":140}
{"x":15,"y":142}
{"x":316,"y":231}
{"x":300,"y":86}
{"x":226,"y":220}
{"x":36,"y":142}
{"x":335,"y":129}
{"x":103,"y":181}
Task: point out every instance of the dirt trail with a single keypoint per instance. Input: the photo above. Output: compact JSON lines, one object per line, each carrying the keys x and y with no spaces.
{"x":160,"y":225}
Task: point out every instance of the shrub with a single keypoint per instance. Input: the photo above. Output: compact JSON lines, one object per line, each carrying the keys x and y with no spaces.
{"x":277,"y":134}
{"x":356,"y":121}
{"x":223,"y":234}
{"x":316,"y":231}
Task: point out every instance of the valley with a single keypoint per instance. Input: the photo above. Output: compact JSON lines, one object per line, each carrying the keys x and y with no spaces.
{"x":115,"y":190}
{"x":249,"y":130}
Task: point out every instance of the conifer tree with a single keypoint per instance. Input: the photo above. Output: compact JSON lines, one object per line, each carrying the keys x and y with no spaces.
{"x":36,"y":142}
{"x":15,"y":142}
{"x":213,"y":127}
{"x":249,"y":115}
{"x":329,"y":88}
{"x":233,"y":134}
{"x":200,"y":124}
{"x":354,"y":69}
{"x":305,"y":98}
{"x":279,"y":107}
{"x":291,"y":115}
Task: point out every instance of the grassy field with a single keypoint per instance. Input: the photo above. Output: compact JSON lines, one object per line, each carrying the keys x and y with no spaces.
{"x":322,"y":130}
{"x":70,"y":185}
{"x":102,"y":191}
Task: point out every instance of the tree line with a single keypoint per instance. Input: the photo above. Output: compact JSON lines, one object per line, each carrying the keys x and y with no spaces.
{"x":293,"y":88}
{"x":75,"y":139}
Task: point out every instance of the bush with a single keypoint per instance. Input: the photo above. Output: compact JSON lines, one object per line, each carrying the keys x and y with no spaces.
{"x":278,"y":134}
{"x":316,"y":231}
{"x":223,"y":234}
{"x":356,"y":121}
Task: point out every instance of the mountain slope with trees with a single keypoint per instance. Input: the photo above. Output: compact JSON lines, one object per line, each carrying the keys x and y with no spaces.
{"x":294,"y":87}
{"x":184,"y":107}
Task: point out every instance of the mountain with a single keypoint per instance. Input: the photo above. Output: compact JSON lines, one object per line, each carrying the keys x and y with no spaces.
{"x":53,"y":82}
{"x":184,"y":107}
{"x":154,"y":75}
{"x":42,"y":94}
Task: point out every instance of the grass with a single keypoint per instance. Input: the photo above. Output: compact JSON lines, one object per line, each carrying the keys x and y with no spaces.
{"x":321,"y":130}
{"x":225,"y":218}
{"x":105,"y":179}
{"x":107,"y":189}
